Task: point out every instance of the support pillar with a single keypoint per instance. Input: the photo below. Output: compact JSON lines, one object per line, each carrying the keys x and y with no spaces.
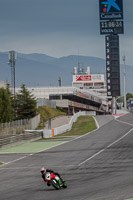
{"x":114,"y":106}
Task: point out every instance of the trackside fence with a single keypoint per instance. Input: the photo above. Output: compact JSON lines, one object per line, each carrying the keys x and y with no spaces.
{"x":67,"y":127}
{"x":13,"y":132}
{"x":17,"y":127}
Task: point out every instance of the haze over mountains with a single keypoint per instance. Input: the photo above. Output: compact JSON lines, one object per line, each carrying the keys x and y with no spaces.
{"x":42,"y":70}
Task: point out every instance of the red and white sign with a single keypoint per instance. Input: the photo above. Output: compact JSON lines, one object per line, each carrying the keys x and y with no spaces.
{"x":89,"y":78}
{"x":83,"y":77}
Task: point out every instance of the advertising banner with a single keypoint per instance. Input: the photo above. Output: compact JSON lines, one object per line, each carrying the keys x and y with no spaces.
{"x":89,"y":78}
{"x":83,"y":78}
{"x":111,"y":9}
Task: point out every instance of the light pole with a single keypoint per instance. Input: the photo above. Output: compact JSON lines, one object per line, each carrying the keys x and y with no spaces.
{"x":124,"y":81}
{"x":12,"y":60}
{"x":59,"y":80}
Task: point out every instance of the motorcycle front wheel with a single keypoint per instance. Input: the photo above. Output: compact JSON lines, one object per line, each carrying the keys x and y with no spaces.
{"x":64,"y":185}
{"x":55,"y":184}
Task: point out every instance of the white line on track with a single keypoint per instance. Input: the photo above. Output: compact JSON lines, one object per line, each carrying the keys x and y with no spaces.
{"x":76,"y":139}
{"x":99,"y":152}
{"x":53,"y":146}
{"x":124,"y":122}
{"x":31,"y":154}
{"x":36,"y":167}
{"x":18,"y":159}
{"x":96,"y":122}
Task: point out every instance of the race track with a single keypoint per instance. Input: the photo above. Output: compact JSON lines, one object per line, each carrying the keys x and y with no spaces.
{"x":97,"y":166}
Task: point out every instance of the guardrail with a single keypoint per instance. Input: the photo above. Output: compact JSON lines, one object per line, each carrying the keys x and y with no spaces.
{"x":13,"y":132}
{"x":10,"y":139}
{"x":67,"y":127}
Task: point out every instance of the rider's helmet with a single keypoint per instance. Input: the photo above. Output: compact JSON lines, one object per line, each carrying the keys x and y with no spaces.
{"x":43,"y":170}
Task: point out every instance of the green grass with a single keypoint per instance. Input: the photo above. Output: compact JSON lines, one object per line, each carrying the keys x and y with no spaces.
{"x":56,"y":137}
{"x":47,"y":112}
{"x":83,"y":125}
{"x":1,"y":163}
{"x":31,"y":147}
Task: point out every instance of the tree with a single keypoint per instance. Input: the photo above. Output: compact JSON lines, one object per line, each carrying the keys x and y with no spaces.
{"x":25,"y":104}
{"x":5,"y":106}
{"x":129,"y":95}
{"x":13,"y":102}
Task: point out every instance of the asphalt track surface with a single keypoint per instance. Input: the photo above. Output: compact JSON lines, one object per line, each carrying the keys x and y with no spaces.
{"x":97,"y":166}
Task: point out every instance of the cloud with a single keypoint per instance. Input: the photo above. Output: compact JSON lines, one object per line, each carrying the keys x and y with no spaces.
{"x":57,"y":27}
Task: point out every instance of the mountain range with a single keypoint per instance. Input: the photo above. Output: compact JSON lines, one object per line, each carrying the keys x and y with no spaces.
{"x":42,"y":70}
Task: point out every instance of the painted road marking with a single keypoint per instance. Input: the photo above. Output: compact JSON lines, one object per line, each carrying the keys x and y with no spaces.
{"x":124,"y":122}
{"x":97,"y":125}
{"x":99,"y":152}
{"x":30,"y":147}
{"x":60,"y":143}
{"x":33,"y":154}
{"x":18,"y":159}
{"x":36,"y":167}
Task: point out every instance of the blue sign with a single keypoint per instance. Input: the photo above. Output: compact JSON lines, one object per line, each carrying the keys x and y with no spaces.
{"x":111,"y":3}
{"x":111,"y":9}
{"x":131,"y":102}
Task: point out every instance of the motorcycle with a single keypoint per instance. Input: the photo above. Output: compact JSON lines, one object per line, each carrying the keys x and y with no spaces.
{"x":55,"y":181}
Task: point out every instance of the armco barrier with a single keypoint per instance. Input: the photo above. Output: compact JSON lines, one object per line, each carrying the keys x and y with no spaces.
{"x":8,"y":136}
{"x":10,"y":139}
{"x":67,"y":127}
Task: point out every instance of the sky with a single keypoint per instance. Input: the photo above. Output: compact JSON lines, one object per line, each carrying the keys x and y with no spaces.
{"x":59,"y":28}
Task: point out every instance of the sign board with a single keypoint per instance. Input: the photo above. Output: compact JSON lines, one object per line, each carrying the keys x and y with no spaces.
{"x":131,"y":102}
{"x":89,"y":78}
{"x":112,"y":65}
{"x":111,"y":9}
{"x":83,"y":77}
{"x":111,"y":27}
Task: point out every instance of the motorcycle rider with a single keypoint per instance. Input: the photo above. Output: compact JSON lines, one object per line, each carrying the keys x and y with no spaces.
{"x":44,"y":171}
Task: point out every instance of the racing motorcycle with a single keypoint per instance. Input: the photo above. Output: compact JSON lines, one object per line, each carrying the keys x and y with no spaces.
{"x":55,"y":181}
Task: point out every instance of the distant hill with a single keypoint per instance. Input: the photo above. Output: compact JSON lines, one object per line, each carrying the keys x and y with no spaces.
{"x":43,"y":70}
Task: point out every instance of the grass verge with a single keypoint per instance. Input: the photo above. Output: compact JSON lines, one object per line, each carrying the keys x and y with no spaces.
{"x":83,"y":125}
{"x":1,"y":163}
{"x":47,"y":112}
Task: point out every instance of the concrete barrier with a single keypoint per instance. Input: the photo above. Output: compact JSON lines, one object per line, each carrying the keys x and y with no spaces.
{"x":20,"y":138}
{"x":67,"y":127}
{"x":18,"y":126}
